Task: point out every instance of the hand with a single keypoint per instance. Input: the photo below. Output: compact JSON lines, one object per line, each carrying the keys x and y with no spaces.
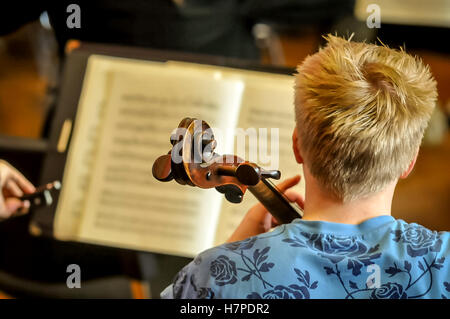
{"x":13,"y":185}
{"x":258,"y":220}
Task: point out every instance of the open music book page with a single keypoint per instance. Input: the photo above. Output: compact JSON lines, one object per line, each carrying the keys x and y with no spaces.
{"x":267,"y":111}
{"x":80,"y":158}
{"x":81,"y":155}
{"x":125,"y":206}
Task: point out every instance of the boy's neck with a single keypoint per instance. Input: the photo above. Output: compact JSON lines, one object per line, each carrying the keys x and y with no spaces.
{"x":321,"y":206}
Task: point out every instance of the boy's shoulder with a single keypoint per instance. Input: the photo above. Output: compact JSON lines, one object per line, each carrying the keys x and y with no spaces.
{"x":419,"y":240}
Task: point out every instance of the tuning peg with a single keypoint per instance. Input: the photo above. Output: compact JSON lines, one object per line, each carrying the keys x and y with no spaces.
{"x":250,"y":174}
{"x":232,"y":193}
{"x":162,"y":168}
{"x":275,"y":174}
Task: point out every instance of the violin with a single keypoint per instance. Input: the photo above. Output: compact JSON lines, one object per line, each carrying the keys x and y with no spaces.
{"x":192,"y":161}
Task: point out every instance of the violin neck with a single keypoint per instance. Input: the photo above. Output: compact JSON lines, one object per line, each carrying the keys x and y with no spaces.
{"x":275,"y":202}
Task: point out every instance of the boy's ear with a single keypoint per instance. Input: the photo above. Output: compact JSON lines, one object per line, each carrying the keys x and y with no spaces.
{"x":410,"y":167}
{"x":295,"y":147}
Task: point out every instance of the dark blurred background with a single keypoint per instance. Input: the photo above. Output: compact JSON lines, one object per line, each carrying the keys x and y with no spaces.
{"x":271,"y":32}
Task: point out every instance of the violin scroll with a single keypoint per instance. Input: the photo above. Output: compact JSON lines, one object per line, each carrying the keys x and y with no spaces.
{"x":192,"y":161}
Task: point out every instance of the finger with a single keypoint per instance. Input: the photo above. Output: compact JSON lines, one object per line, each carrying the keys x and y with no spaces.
{"x":296,"y":198}
{"x":24,"y":209}
{"x":3,"y":211}
{"x":12,"y":189}
{"x":274,"y":222}
{"x":288,"y":183}
{"x":21,"y":181}
{"x":11,"y":205}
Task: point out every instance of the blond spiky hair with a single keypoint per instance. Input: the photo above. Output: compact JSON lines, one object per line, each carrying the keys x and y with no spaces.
{"x":361,"y":110}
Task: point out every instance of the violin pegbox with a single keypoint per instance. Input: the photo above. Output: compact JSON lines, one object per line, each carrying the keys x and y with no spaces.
{"x":192,"y":161}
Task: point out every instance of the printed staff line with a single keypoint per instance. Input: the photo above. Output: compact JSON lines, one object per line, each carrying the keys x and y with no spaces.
{"x":142,"y":221}
{"x":163,"y":210}
{"x":183,"y":203}
{"x":109,"y":226}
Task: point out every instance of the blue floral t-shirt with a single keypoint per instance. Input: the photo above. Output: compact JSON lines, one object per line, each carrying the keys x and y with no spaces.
{"x":379,"y":258}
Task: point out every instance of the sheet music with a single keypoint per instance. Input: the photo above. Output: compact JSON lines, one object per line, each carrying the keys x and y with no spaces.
{"x":81,"y":154}
{"x":126,"y":206}
{"x":268,"y":102}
